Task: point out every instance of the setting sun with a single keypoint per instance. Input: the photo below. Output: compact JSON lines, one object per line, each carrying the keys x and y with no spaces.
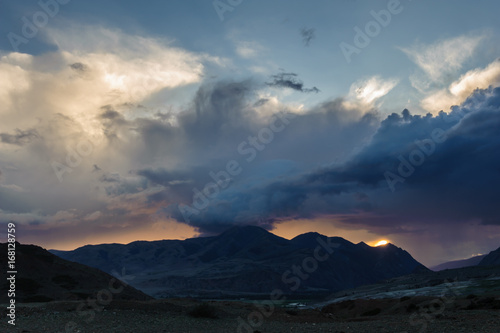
{"x":381,"y":242}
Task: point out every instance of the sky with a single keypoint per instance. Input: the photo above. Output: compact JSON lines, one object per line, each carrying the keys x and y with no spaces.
{"x":368,"y":120}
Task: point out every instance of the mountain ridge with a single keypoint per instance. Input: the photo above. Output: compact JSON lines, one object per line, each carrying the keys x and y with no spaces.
{"x":472,"y":261}
{"x":248,"y":260}
{"x":492,"y":258}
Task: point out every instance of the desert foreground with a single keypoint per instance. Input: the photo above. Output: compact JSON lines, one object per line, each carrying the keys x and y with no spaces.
{"x":469,"y":314}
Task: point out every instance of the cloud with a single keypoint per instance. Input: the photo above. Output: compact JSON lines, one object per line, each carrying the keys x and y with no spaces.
{"x":441,"y":60}
{"x":93,"y":216}
{"x":364,"y":93}
{"x":20,"y":138}
{"x":80,"y":106}
{"x":99,"y":67}
{"x":248,"y":49}
{"x":134,"y":163}
{"x":291,"y":81}
{"x":79,"y":67}
{"x":130,"y":161}
{"x":451,"y":187}
{"x":307,"y":35}
{"x":458,"y":91}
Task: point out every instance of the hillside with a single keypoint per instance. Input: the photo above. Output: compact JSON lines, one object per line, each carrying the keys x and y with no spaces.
{"x":248,"y":260}
{"x":473,"y":261}
{"x":42,"y":276}
{"x":492,"y":258}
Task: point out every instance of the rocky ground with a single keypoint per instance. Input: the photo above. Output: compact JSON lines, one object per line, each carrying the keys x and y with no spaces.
{"x":408,"y":314}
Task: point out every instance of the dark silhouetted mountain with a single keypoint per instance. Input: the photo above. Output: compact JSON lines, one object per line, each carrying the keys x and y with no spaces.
{"x":42,"y":276}
{"x":473,"y":261}
{"x":492,"y":258}
{"x":247,"y":260}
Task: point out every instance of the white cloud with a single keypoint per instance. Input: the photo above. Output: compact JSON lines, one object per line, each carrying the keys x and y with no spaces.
{"x":248,"y":49}
{"x":440,"y":60}
{"x":61,"y":94}
{"x":93,"y":216}
{"x":459,"y":90}
{"x":15,"y":78}
{"x":108,"y":66}
{"x":477,"y":78}
{"x":364,"y":93}
{"x":93,"y":67}
{"x":132,"y":67}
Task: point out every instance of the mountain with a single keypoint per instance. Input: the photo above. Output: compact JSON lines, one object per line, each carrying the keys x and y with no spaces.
{"x":247,"y":261}
{"x":492,"y":258}
{"x":449,"y":285}
{"x":42,"y":276}
{"x":473,"y":261}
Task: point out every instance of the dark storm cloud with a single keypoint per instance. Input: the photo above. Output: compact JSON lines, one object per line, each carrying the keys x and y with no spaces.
{"x":457,"y":181}
{"x":307,"y":35}
{"x":290,"y":80}
{"x":176,"y":153}
{"x":20,"y":137}
{"x":220,"y":120}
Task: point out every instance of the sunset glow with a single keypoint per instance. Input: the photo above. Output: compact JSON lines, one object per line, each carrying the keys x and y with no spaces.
{"x":381,"y":243}
{"x":181,"y":119}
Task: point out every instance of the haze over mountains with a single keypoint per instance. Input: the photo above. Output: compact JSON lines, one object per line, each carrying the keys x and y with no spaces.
{"x":247,"y":261}
{"x":472,"y":261}
{"x":490,"y":259}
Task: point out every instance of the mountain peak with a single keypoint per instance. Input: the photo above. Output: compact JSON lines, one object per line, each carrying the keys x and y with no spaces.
{"x":492,"y":258}
{"x":235,"y":260}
